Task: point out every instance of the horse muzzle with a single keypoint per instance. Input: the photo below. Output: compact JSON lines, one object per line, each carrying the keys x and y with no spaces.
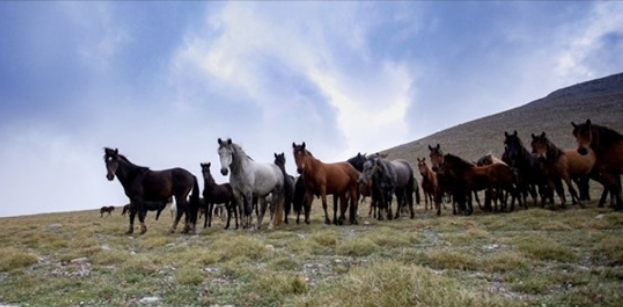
{"x":583,"y":151}
{"x":110,"y":177}
{"x":300,"y":170}
{"x":435,"y":169}
{"x":224,"y":171}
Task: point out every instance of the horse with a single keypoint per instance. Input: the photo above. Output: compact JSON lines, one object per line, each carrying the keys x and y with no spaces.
{"x":467,"y":177}
{"x":151,"y":190}
{"x":337,"y":179}
{"x":299,"y":202}
{"x":249,"y":178}
{"x":214,"y":193}
{"x":106,"y":209}
{"x":555,"y":166}
{"x":430,"y":187}
{"x":492,"y":194}
{"x":280,"y":160}
{"x":436,"y":159}
{"x":390,"y":177}
{"x":607,"y":144}
{"x":365,"y":188}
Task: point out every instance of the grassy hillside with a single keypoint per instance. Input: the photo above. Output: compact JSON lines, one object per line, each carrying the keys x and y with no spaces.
{"x":532,"y":257}
{"x":600,"y":100}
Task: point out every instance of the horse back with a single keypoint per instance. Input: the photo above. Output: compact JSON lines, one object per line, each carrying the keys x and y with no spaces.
{"x":267,"y":177}
{"x":579,"y":165}
{"x":403,"y":172}
{"x":162,"y":184}
{"x":337,"y":177}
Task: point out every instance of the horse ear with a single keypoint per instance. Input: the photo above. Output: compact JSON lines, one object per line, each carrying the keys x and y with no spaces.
{"x":574,"y":125}
{"x":430,"y":148}
{"x":220,"y":141}
{"x":303,"y":145}
{"x":438,"y":147}
{"x":116,"y":151}
{"x":275,"y":154}
{"x":293,"y":145}
{"x":209,"y":164}
{"x":543,"y":134}
{"x":228,"y":141}
{"x":533,"y":136}
{"x":588,"y":122}
{"x":506,"y":134}
{"x":515,"y":133}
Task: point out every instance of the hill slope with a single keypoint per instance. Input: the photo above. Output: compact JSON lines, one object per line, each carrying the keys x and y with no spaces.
{"x":600,"y":100}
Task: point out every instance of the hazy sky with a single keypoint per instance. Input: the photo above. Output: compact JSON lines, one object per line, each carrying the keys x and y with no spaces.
{"x":161,"y":81}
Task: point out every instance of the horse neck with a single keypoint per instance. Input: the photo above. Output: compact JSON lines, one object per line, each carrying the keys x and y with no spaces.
{"x":604,"y":138}
{"x":209,"y":183}
{"x":313,"y":164}
{"x":553,"y":152}
{"x":239,"y":160}
{"x":127,"y":171}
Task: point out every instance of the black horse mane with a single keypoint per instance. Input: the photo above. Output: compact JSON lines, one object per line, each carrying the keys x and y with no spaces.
{"x":457,"y":161}
{"x":108,"y":152}
{"x":607,"y":136}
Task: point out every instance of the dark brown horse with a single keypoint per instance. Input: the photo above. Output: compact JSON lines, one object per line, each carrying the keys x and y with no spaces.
{"x":337,"y":179}
{"x":151,"y":190}
{"x":106,"y":209}
{"x":213,"y":194}
{"x":555,"y":166}
{"x":467,"y":177}
{"x":288,"y":189}
{"x":607,"y":145}
{"x":436,"y":158}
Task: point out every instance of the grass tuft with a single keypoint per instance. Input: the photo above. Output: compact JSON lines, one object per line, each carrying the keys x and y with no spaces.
{"x":14,"y":258}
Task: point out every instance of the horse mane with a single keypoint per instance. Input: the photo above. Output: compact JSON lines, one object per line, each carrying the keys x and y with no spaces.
{"x":458,"y":162}
{"x":109,"y":152}
{"x":607,"y":136}
{"x":553,"y":152}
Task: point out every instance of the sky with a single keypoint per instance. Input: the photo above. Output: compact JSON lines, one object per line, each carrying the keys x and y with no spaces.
{"x":162,"y":81}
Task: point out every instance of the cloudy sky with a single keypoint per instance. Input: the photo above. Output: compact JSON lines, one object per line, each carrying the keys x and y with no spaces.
{"x":161,"y":81}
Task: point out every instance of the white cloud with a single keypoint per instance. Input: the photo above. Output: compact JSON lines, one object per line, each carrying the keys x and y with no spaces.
{"x":254,"y":43}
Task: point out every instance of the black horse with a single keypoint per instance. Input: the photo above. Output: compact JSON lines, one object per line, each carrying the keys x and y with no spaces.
{"x":528,"y":170}
{"x":280,"y":160}
{"x":151,"y":190}
{"x":214,"y":193}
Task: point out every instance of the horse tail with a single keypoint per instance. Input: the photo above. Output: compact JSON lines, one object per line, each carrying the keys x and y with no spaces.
{"x":416,"y":188}
{"x":194,"y":202}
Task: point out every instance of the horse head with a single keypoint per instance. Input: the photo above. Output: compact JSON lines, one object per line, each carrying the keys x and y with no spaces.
{"x":301,"y":155}
{"x":111,"y":157}
{"x":205,"y":170}
{"x":280,"y":159}
{"x":540,"y":145}
{"x":226,"y":155}
{"x":512,"y":148}
{"x":436,"y":156}
{"x":421,"y":165}
{"x":583,"y":135}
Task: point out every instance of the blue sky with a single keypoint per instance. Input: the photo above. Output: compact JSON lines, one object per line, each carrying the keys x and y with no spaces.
{"x":162,"y":80}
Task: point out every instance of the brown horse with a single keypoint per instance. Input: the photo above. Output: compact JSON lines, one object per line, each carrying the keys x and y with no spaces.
{"x":555,"y":165}
{"x":337,"y":179}
{"x":106,"y":209}
{"x":151,"y":190}
{"x":493,"y":194}
{"x":429,"y":185}
{"x":467,"y":177}
{"x":607,"y":145}
{"x":436,"y":158}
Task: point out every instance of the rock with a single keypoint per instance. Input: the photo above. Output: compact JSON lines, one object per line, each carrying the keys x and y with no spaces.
{"x":79,"y":260}
{"x":149,"y":299}
{"x":600,"y":216}
{"x":270,"y":248}
{"x":54,"y":226}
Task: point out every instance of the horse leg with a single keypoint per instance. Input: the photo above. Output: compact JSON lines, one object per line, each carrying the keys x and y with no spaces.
{"x":323,"y":197}
{"x":335,"y":209}
{"x":574,"y":194}
{"x":141,"y":218}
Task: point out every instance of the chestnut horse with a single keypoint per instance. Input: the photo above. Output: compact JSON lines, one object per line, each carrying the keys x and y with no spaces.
{"x":337,"y":179}
{"x":429,"y":185}
{"x":466,"y":177}
{"x":607,"y":145}
{"x":556,"y":166}
{"x":151,"y":190}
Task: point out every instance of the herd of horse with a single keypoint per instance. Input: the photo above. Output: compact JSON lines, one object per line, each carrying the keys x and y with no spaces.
{"x":254,"y":186}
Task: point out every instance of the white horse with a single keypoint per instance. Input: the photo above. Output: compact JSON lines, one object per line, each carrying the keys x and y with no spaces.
{"x":249,"y":178}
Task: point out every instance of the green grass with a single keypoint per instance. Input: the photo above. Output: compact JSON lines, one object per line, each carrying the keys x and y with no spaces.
{"x":526,"y":258}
